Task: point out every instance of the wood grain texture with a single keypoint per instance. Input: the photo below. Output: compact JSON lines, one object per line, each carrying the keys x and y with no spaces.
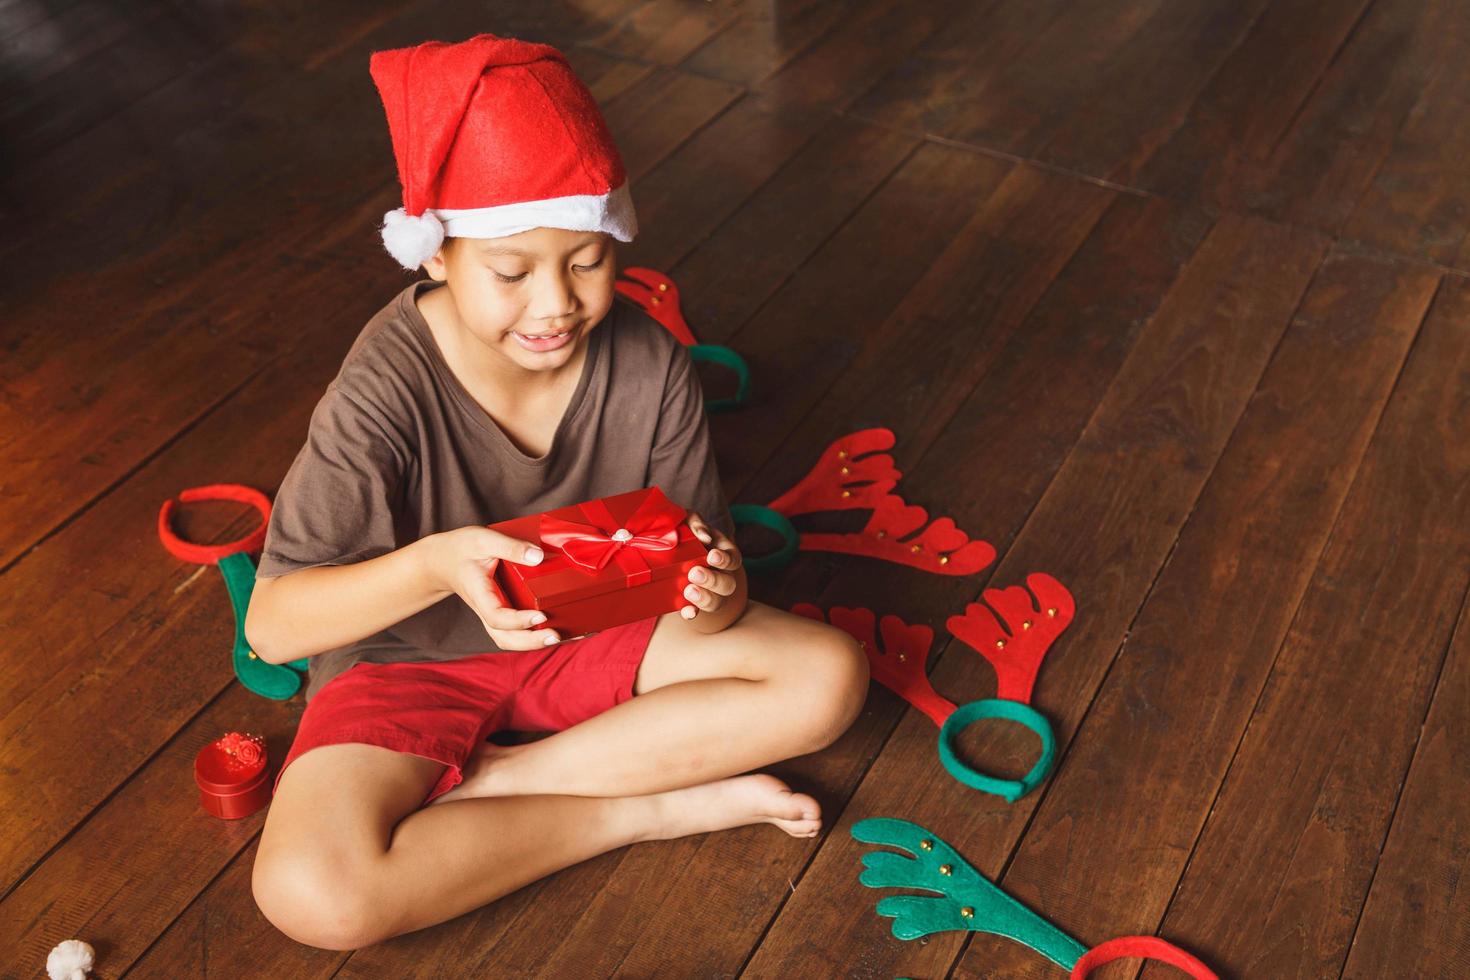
{"x":1162,"y":729}
{"x":1151,"y":442}
{"x":1141,"y":287}
{"x":1286,"y":857}
{"x":1252,"y":101}
{"x":161,"y":848}
{"x":1417,"y":918}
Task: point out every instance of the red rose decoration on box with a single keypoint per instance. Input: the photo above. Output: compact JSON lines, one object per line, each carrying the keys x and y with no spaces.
{"x":231,"y":774}
{"x":610,"y":561}
{"x":244,"y":748}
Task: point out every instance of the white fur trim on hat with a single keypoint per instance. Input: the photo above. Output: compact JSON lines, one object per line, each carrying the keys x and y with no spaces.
{"x":412,"y":240}
{"x":611,"y":212}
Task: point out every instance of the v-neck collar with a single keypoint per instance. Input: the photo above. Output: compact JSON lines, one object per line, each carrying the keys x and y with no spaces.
{"x":472,"y":409}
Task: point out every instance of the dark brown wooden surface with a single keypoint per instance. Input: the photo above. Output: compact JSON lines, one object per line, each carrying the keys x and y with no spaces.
{"x":1164,"y":299}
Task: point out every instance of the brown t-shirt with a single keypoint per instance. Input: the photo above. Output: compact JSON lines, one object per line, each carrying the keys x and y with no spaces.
{"x":397,"y":450}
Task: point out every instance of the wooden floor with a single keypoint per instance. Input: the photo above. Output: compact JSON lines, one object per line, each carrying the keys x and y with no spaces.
{"x":1167,"y":299}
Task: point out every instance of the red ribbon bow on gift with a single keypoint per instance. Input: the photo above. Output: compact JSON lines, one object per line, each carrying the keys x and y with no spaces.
{"x":654,"y":526}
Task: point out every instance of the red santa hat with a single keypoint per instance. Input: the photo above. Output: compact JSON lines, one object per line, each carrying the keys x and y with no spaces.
{"x":494,"y":136}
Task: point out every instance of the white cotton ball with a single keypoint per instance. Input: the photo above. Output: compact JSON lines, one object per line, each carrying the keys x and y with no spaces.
{"x":70,"y":961}
{"x":412,"y":240}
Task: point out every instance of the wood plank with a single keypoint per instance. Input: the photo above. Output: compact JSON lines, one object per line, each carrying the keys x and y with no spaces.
{"x":1104,"y":527}
{"x":702,"y":185}
{"x":871,"y":39}
{"x":1252,"y":101}
{"x":1094,"y":90}
{"x":765,"y":38}
{"x":1159,"y":736}
{"x":665,"y":33}
{"x":1144,"y":92}
{"x":930,"y":90}
{"x":1416,"y":921}
{"x":769,"y":240}
{"x":803,"y":336}
{"x":136,"y":49}
{"x":1325,"y":161}
{"x":1283,"y":866}
{"x":915,"y":369}
{"x":131,"y":656}
{"x":144,"y":857}
{"x":1417,"y":203}
{"x":222,"y":933}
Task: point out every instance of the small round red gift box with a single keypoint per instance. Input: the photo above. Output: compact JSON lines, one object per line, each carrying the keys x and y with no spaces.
{"x":230,"y":772}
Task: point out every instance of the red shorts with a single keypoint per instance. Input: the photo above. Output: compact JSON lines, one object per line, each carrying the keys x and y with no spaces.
{"x":442,"y":710}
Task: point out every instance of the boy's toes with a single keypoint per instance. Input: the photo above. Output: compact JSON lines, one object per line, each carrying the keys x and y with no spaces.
{"x":796,"y":813}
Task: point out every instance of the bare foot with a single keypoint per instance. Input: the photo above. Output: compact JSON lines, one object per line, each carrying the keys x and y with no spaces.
{"x":735,"y":802}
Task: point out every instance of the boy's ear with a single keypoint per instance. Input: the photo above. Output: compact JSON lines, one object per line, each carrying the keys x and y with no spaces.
{"x":435,"y":265}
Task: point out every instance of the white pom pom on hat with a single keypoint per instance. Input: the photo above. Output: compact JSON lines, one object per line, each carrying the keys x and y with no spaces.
{"x":494,"y":136}
{"x":70,"y":960}
{"x":412,"y":240}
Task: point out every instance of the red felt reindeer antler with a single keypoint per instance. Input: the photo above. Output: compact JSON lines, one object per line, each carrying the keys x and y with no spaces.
{"x":853,"y":473}
{"x":901,"y":665}
{"x":1016,"y":648}
{"x":659,"y":297}
{"x":842,"y":481}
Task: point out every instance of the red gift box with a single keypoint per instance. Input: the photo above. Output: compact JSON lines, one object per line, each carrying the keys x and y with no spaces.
{"x":608,"y":562}
{"x":230,"y":773}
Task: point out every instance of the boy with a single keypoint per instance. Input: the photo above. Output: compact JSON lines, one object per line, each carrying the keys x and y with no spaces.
{"x":508,"y":383}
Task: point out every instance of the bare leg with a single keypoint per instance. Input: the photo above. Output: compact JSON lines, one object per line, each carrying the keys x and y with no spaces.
{"x":769,"y":687}
{"x":341,"y":866}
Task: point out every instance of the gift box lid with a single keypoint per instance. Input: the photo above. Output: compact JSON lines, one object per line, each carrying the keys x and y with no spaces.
{"x":625,"y":525}
{"x":231,"y":764}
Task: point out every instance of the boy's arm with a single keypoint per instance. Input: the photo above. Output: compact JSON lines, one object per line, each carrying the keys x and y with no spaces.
{"x":325,"y":607}
{"x":314,"y":610}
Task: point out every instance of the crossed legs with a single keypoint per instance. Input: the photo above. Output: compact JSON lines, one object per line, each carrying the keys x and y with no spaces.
{"x":348,"y":857}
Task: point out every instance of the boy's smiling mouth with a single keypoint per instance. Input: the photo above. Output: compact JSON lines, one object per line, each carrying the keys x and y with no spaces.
{"x":545,"y":341}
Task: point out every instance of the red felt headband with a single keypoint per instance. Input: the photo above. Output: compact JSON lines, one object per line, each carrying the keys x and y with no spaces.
{"x":208,"y":554}
{"x":1142,"y":947}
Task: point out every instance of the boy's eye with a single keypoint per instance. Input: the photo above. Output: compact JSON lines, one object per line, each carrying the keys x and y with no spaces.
{"x":588,"y":268}
{"x":505,"y":278}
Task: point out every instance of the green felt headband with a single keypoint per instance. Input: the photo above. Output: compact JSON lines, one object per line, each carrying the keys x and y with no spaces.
{"x":772,"y":520}
{"x":1010,"y":790}
{"x":726,"y":358}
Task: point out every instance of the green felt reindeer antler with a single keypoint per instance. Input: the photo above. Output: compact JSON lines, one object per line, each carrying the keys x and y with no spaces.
{"x":970,"y":901}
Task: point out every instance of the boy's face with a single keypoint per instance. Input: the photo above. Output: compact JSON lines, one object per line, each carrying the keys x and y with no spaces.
{"x":532,"y":297}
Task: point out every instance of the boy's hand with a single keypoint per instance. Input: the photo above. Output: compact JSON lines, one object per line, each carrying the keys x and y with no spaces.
{"x":710,"y":584}
{"x":462,"y":561}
